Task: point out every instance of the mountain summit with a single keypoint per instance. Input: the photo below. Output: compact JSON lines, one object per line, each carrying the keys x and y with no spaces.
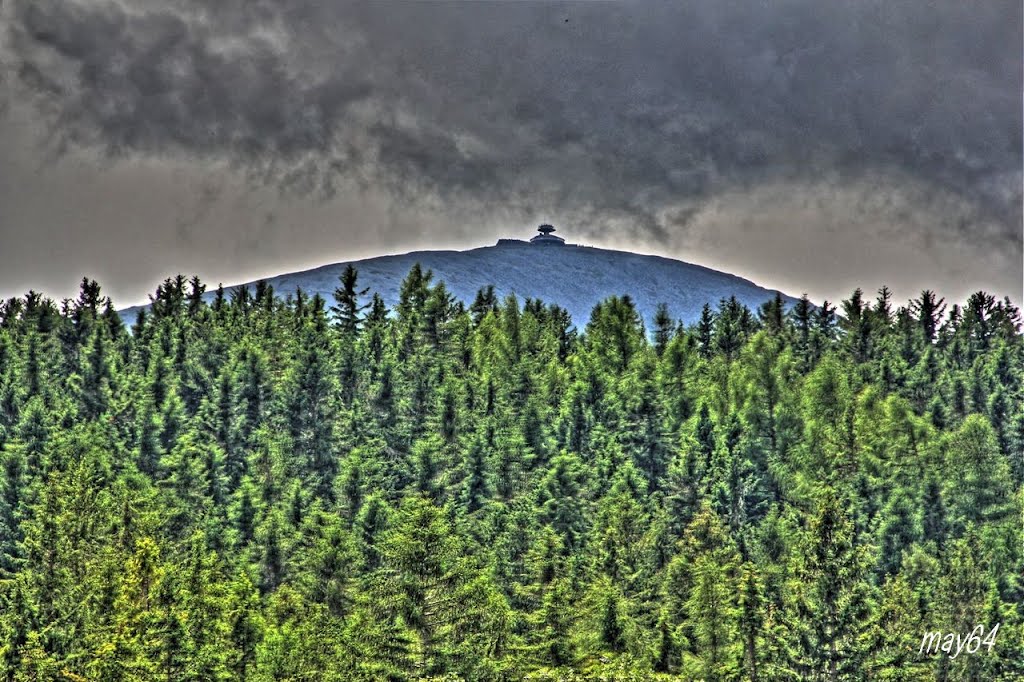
{"x":546,"y":267}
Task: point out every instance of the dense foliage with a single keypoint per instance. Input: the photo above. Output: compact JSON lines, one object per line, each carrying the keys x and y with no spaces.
{"x":266,"y":489}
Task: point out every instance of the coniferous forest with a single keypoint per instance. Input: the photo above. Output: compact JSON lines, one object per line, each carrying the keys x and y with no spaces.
{"x":249,"y":487}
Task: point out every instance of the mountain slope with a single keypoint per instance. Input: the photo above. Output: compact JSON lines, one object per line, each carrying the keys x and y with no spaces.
{"x":574,"y":277}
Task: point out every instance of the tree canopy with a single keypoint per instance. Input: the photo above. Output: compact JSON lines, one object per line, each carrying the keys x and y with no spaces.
{"x":245,"y":486}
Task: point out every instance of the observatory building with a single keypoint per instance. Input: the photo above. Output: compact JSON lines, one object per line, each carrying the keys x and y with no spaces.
{"x":545,"y":238}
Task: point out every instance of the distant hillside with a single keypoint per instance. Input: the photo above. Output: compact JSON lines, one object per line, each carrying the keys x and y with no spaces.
{"x":574,"y":277}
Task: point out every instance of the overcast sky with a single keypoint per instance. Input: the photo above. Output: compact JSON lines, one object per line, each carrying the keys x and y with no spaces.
{"x":809,"y":146}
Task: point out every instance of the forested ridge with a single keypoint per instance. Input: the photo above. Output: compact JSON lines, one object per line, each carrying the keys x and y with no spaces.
{"x":300,"y":489}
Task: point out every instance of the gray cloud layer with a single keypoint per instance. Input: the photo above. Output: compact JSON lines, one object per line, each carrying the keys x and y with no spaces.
{"x":636,"y":116}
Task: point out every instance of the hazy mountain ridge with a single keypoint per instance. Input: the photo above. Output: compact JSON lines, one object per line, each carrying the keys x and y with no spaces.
{"x":574,"y":277}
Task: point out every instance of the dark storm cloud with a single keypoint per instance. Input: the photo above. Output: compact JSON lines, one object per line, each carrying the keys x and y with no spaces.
{"x":156,"y":80}
{"x":627,"y":114}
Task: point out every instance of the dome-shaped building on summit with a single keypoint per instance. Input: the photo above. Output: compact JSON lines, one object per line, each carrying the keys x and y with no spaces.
{"x":545,"y":238}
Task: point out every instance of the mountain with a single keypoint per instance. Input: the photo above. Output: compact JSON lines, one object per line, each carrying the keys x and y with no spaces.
{"x":574,"y":277}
